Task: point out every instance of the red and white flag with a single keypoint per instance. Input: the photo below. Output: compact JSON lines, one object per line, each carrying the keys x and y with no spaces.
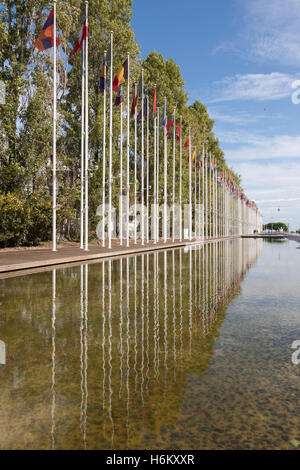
{"x":81,"y":37}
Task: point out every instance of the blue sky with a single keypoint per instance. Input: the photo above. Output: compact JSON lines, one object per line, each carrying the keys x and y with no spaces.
{"x":240,"y":58}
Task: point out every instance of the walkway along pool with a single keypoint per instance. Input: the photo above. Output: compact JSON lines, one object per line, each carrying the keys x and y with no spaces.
{"x":182,"y":349}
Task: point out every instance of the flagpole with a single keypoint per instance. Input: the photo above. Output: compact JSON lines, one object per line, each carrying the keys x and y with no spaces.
{"x":202,"y":231}
{"x":190,"y":186}
{"x":110,"y":141}
{"x":82,"y":156}
{"x":195,"y":193}
{"x":142,"y":167}
{"x":199,"y":189}
{"x":206,"y":197}
{"x":135,"y":169}
{"x":103,"y":158}
{"x":165,"y":174}
{"x":147,"y":170}
{"x":173,"y":189}
{"x":157,"y":178}
{"x":54,"y":132}
{"x":128,"y":148}
{"x":86,"y":130}
{"x":121,"y":172}
{"x":180,"y":176}
{"x":154,"y":178}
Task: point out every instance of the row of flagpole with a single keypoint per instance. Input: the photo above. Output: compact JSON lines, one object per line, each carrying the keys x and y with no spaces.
{"x":215,"y":217}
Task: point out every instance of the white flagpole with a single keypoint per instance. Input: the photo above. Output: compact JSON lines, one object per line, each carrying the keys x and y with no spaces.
{"x":121,"y":175}
{"x":86,"y":132}
{"x":147,"y":171}
{"x":157,"y":179}
{"x":110,"y":140}
{"x":180,"y":176}
{"x":199,"y":189}
{"x":173,"y":189}
{"x":142,"y":157}
{"x":135,"y":169}
{"x":165,"y":175}
{"x":82,"y":156}
{"x":103,"y":158}
{"x":128,"y":148}
{"x":54,"y":132}
{"x":203,"y":195}
{"x":195,"y":195}
{"x":190,"y":186}
{"x":213,"y":201}
{"x":154,"y":179}
{"x":206,"y":198}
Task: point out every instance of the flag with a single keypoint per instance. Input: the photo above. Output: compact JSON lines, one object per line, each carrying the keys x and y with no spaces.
{"x":169,"y":125}
{"x":45,"y":39}
{"x":187,"y":144}
{"x":139,"y":118}
{"x":140,"y":87}
{"x":164,"y":117}
{"x":121,"y":76}
{"x":154,"y":103}
{"x":119,"y":97}
{"x":81,"y":37}
{"x":178,"y":132}
{"x":134,"y":104}
{"x":103,"y":74}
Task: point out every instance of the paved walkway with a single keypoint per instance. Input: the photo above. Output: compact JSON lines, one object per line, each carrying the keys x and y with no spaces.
{"x":21,"y":259}
{"x":40,"y":259}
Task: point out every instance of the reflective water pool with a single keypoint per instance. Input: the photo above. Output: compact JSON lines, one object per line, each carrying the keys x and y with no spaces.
{"x":182,"y":349}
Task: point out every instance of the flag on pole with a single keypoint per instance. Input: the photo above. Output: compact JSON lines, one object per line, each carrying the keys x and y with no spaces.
{"x":170,"y":124}
{"x":186,"y":145}
{"x":119,"y":97}
{"x":81,"y":37}
{"x":134,"y":103}
{"x":140,"y":87}
{"x":139,"y":117}
{"x":178,"y":132}
{"x":121,"y":76}
{"x":103,"y":74}
{"x":164,"y":116}
{"x":154,"y":103}
{"x":45,"y":39}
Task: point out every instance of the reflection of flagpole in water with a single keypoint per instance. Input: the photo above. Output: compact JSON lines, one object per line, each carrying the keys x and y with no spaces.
{"x":165,"y":320}
{"x":110,"y":354}
{"x":142,"y":332}
{"x":85,"y":356}
{"x":121,"y":326}
{"x":180,"y":303}
{"x":53,"y":358}
{"x":127,"y":353}
{"x":174,"y":312}
{"x":147,"y":326}
{"x":155,"y":301}
{"x":157,"y":319}
{"x":103,"y":334}
{"x":190,"y":302}
{"x":135,"y":325}
{"x":81,"y":347}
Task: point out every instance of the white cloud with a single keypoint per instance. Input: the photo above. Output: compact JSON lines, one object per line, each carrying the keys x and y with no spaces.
{"x":239,"y":117}
{"x":258,"y":87}
{"x":273,"y":30}
{"x":259,"y":147}
{"x":273,"y":186}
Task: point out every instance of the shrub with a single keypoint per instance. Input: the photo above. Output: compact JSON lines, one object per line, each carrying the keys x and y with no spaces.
{"x":13,"y":220}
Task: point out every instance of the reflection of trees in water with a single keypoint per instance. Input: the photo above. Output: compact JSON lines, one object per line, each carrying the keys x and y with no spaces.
{"x":125,"y":336}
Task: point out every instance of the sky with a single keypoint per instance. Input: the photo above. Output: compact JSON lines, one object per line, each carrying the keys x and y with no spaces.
{"x":241,"y":58}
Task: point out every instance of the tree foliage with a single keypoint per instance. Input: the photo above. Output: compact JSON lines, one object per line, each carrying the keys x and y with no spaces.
{"x":26,"y":117}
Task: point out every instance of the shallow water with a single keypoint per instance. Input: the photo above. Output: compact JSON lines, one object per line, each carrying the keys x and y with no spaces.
{"x":182,"y":349}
